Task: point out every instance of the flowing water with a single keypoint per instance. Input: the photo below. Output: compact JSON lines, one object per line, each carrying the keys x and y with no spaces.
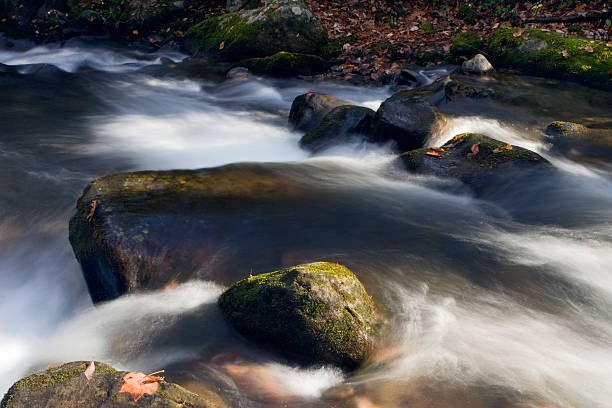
{"x":501,"y":300}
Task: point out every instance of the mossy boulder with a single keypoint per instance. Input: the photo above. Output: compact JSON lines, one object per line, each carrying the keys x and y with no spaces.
{"x":308,"y":109}
{"x":407,"y":118}
{"x":317,"y":313}
{"x":142,"y":230}
{"x":20,"y":18}
{"x":286,"y":64}
{"x":467,"y":43}
{"x":576,"y":139}
{"x":472,"y":158}
{"x":282,"y":25}
{"x":542,"y":53}
{"x":65,"y":386}
{"x":341,"y":125}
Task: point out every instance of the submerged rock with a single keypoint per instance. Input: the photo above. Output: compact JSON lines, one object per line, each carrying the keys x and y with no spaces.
{"x":65,"y":386}
{"x":315,"y":313}
{"x":280,"y":25}
{"x":552,"y":54}
{"x":286,"y":64}
{"x":568,"y":137}
{"x":472,"y":158}
{"x":477,"y":65}
{"x":308,"y":109}
{"x":407,"y":117}
{"x":143,"y":230}
{"x":343,"y":124}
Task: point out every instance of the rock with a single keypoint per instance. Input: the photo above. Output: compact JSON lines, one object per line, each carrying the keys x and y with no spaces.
{"x":477,"y":65}
{"x":574,"y":138}
{"x":238,"y":74}
{"x":407,"y":118}
{"x":307,"y":110}
{"x":143,"y":230}
{"x":65,"y":386}
{"x":314,"y":313}
{"x":281,"y":25}
{"x":467,"y":43}
{"x":541,"y":53}
{"x":286,"y":64}
{"x":341,"y":124}
{"x":472,"y":158}
{"x":460,"y":86}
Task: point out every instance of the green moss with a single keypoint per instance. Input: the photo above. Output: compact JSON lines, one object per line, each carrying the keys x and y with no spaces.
{"x":427,"y":26}
{"x":467,"y":43}
{"x":60,"y":374}
{"x":286,"y":64}
{"x":466,"y":13}
{"x":540,"y":52}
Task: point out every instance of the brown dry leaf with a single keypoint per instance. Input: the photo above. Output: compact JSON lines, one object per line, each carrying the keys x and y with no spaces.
{"x":508,"y":146}
{"x":173,"y":284}
{"x":588,"y":48}
{"x":138,"y":384}
{"x":275,"y":6}
{"x":518,"y":33}
{"x":565,"y":53}
{"x":474,"y":149}
{"x":433,"y":153}
{"x":89,"y":370}
{"x":222,"y":45}
{"x":92,"y":210}
{"x":496,"y":150}
{"x":135,"y":32}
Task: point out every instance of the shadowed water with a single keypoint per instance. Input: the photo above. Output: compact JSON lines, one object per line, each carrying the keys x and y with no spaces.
{"x":501,"y":300}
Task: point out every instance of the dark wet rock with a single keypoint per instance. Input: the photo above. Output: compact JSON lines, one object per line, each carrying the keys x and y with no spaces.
{"x":459,"y":86}
{"x":286,"y":64}
{"x":574,"y":138}
{"x":407,"y":117}
{"x":280,"y":25}
{"x":142,"y":230}
{"x":472,"y":158}
{"x":477,"y":65}
{"x":307,"y":110}
{"x":317,"y":313}
{"x":341,"y":125}
{"x":541,"y":53}
{"x":65,"y":386}
{"x":467,"y":43}
{"x":238,"y":74}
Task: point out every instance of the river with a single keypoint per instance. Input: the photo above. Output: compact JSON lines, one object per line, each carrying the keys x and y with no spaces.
{"x":501,"y":300}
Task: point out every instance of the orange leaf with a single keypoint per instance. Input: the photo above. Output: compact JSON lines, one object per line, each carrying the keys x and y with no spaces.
{"x":92,"y":210}
{"x":496,"y":150}
{"x":565,"y":53}
{"x":588,"y":48}
{"x":173,"y":284}
{"x":475,"y":148}
{"x":518,"y":33}
{"x":433,"y":153}
{"x":275,"y":6}
{"x":508,"y":146}
{"x":222,"y":45}
{"x":138,"y":384}
{"x":89,"y":370}
{"x":135,"y":32}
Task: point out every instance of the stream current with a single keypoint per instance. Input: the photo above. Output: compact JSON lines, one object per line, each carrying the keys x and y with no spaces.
{"x":502,"y":300}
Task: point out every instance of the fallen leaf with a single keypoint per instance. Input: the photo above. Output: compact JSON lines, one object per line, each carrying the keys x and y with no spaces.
{"x":588,"y":48}
{"x":275,"y":6}
{"x":518,"y":33}
{"x":89,"y":370}
{"x":173,"y":284}
{"x":565,"y":53}
{"x":508,"y":146}
{"x":474,"y":149}
{"x":496,"y":150}
{"x":135,"y":32}
{"x":222,"y":45}
{"x":92,"y":210}
{"x":433,"y":153}
{"x":138,"y":384}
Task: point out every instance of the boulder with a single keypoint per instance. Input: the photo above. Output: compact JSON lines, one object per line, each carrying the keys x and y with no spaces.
{"x":282,"y":25}
{"x":467,"y":43}
{"x":552,"y":54}
{"x":143,"y":230}
{"x":286,"y":64}
{"x":574,"y":138}
{"x":65,"y":386}
{"x":307,"y":110}
{"x":477,"y":65}
{"x":407,"y":117}
{"x":317,"y":313}
{"x":472,"y":158}
{"x":342,"y":124}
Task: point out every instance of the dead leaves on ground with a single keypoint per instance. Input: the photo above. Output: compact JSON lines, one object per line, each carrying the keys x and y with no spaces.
{"x":435,"y":152}
{"x":138,"y":384}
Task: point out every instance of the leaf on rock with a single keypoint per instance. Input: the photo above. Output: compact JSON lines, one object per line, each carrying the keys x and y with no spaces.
{"x":138,"y":384}
{"x":222,"y":45}
{"x":508,"y":146}
{"x":92,"y":210}
{"x":588,"y":48}
{"x":433,"y":153}
{"x":173,"y":284}
{"x":474,"y":149}
{"x":565,"y":53}
{"x":89,"y":370}
{"x":518,"y":33}
{"x":135,"y":32}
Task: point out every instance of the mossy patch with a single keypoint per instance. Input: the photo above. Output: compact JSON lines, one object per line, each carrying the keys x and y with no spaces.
{"x":286,"y":64}
{"x":467,"y":43}
{"x":542,"y":53}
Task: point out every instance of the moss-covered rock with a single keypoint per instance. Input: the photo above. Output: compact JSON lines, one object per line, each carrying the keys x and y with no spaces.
{"x":286,"y":64}
{"x":407,"y":117}
{"x":542,"y":53}
{"x":138,"y":231}
{"x":467,"y":43}
{"x":342,"y":124}
{"x":576,"y":139}
{"x":472,"y":158}
{"x":308,"y":109}
{"x":314,"y":313}
{"x":65,"y":386}
{"x":281,"y":25}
